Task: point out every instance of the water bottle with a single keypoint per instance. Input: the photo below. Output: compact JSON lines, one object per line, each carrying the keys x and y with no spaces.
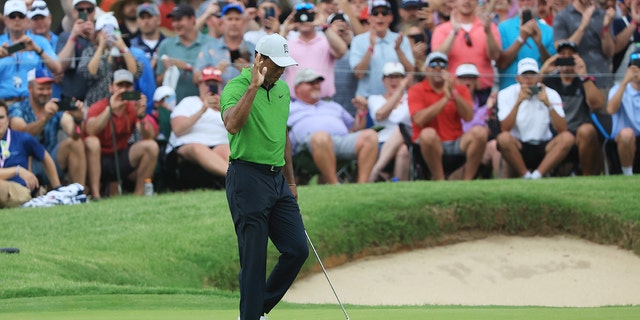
{"x":148,"y":187}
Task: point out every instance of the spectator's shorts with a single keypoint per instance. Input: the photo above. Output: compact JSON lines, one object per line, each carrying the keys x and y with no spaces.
{"x":343,"y":146}
{"x":108,"y":163}
{"x":533,"y":153}
{"x":452,"y":147}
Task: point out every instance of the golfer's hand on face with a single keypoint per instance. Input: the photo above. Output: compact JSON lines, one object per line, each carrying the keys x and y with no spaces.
{"x":258,"y":71}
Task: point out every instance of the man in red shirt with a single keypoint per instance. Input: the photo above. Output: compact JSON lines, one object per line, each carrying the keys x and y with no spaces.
{"x":436,"y":106}
{"x":136,"y":161}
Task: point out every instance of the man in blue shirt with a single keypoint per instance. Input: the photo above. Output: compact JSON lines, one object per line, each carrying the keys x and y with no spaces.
{"x":15,"y":65}
{"x":42,"y":118}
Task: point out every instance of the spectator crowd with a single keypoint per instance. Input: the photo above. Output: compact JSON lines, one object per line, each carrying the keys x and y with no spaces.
{"x":124,"y":91}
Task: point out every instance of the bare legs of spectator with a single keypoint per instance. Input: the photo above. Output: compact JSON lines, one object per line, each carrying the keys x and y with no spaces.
{"x":143,"y":155}
{"x":324,"y":157}
{"x":431,"y":150}
{"x":626,"y":140}
{"x":367,"y":152}
{"x":72,"y":157}
{"x":588,"y":148}
{"x":473,"y":143}
{"x":510,"y":147}
{"x":556,"y":150}
{"x":94,"y":166}
{"x":393,"y":148}
{"x":493,"y":157}
{"x":214,"y":160}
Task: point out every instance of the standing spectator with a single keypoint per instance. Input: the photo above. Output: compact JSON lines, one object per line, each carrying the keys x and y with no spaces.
{"x":623,"y":108}
{"x":41,"y":22}
{"x":14,"y":66}
{"x":71,"y":10}
{"x":149,"y":37}
{"x":15,"y":160}
{"x":98,"y":62}
{"x":586,"y":25}
{"x":345,"y":81}
{"x":268,"y":13}
{"x":197,"y":132}
{"x":313,"y":50}
{"x":580,"y":96}
{"x":372,"y":49}
{"x":328,"y":132}
{"x":230,"y":53}
{"x":437,"y":106}
{"x":39,"y":116}
{"x":526,"y":142}
{"x":181,"y":51}
{"x":469,"y":38}
{"x":126,"y":13}
{"x":260,"y":185}
{"x":136,"y":162}
{"x":625,"y":31}
{"x":520,"y":39}
{"x":70,"y":47}
{"x":165,"y":7}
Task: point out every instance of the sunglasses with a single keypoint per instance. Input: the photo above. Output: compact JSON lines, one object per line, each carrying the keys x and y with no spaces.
{"x":15,"y":15}
{"x":87,"y":10}
{"x":314,"y":82}
{"x":383,"y":12}
{"x":34,"y":8}
{"x":304,"y":6}
{"x":435,"y":64}
{"x":467,"y":39}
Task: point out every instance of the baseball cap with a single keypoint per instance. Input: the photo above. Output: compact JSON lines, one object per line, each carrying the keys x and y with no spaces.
{"x":39,"y":75}
{"x":211,"y":73}
{"x":390,"y":68}
{"x":528,"y":65}
{"x":379,"y":3}
{"x":107,"y":20}
{"x":12,"y":6}
{"x":338,"y":16}
{"x":276,"y":48}
{"x":38,"y":8}
{"x":150,"y":8}
{"x":467,"y":70}
{"x":181,"y":10}
{"x":567,"y":44}
{"x":433,"y":56}
{"x":232,"y":6}
{"x":306,"y":75}
{"x":276,"y":2}
{"x":122,"y":75}
{"x":163,"y":92}
{"x":409,"y":3}
{"x":93,"y":2}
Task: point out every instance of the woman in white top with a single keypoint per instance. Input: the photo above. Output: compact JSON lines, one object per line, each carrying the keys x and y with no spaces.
{"x":197,"y":131}
{"x":387,"y":111}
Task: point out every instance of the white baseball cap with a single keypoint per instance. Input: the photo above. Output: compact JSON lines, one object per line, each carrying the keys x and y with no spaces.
{"x":528,"y":65}
{"x":467,"y":70}
{"x":38,"y":8}
{"x":163,"y":92}
{"x":12,"y":6}
{"x":276,"y":48}
{"x":306,"y":75}
{"x":93,"y":2}
{"x":107,"y":19}
{"x":390,"y":68}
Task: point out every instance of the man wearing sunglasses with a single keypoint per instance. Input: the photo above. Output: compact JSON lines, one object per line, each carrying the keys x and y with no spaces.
{"x":21,"y":52}
{"x":437,"y":105}
{"x":372,"y":49}
{"x":469,"y":37}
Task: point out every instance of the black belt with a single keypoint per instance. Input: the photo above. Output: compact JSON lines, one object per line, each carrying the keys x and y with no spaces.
{"x":264,"y":167}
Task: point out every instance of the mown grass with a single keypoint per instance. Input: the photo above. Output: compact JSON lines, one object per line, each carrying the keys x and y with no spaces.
{"x":184,"y":243}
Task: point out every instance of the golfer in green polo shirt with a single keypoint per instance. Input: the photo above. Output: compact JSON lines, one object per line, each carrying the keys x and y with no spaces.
{"x":260,"y":186}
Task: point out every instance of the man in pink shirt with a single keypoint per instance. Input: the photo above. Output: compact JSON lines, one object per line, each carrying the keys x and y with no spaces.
{"x":469,"y":38}
{"x":313,"y":49}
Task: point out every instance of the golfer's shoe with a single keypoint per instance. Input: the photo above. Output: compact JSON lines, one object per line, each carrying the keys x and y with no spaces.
{"x":261,"y":318}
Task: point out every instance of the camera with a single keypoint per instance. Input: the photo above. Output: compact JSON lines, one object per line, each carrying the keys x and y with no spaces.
{"x":213,"y":88}
{"x":526,"y":15}
{"x":565,"y":61}
{"x":130,"y":95}
{"x":66,"y":105}
{"x":304,"y":16}
{"x":534,"y":90}
{"x":269,"y":12}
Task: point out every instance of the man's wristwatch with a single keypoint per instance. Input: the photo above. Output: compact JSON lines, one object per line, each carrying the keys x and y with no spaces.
{"x":588,"y":78}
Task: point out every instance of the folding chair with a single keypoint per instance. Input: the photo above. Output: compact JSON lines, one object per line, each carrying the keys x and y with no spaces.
{"x":304,"y":168}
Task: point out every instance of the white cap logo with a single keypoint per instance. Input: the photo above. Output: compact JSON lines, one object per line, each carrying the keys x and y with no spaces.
{"x":286,"y":48}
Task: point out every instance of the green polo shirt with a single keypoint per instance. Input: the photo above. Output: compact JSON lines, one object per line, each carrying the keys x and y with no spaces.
{"x":264,"y":136}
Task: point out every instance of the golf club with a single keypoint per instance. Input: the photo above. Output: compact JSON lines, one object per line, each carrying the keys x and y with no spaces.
{"x":325,"y":274}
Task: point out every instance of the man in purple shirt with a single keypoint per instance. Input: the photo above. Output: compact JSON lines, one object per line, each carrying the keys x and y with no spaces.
{"x":328,"y":131}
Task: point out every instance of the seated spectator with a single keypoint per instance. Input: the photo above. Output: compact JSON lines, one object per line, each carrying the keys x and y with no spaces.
{"x":197,"y":132}
{"x":437,"y":106}
{"x":116,"y":117}
{"x":623,"y":108}
{"x":40,"y":117}
{"x":329,"y":132}
{"x":526,"y":111}
{"x":580,"y":96}
{"x":467,"y":75}
{"x":14,"y":66}
{"x":17,"y":147}
{"x":387,"y":111}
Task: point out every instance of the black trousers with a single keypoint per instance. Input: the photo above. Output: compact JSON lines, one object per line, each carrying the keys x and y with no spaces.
{"x":262,"y":208}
